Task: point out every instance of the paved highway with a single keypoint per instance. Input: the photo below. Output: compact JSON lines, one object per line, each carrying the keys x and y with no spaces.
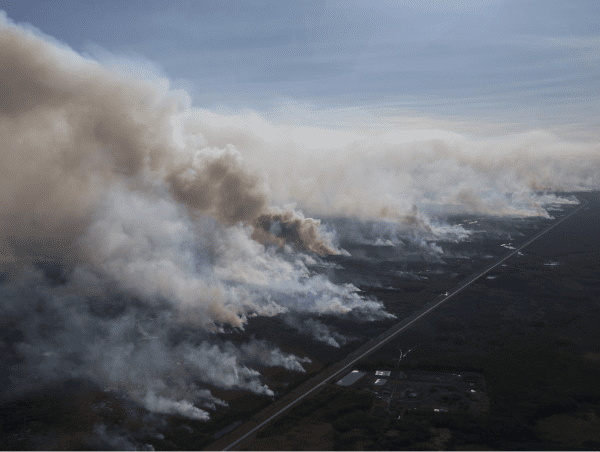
{"x":319,"y":381}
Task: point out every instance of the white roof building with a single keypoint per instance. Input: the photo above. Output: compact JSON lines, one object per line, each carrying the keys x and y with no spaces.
{"x":383,"y":373}
{"x":351,"y":378}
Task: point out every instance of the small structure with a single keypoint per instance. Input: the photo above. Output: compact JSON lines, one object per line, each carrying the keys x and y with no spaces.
{"x":383,"y":373}
{"x":430,"y":392}
{"x":351,"y":378}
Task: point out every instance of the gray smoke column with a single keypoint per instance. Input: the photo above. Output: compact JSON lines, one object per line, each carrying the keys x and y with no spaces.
{"x":219,"y":183}
{"x":374,"y":166}
{"x":295,"y":228}
{"x":71,"y":129}
{"x":120,"y":231}
{"x":318,"y":330}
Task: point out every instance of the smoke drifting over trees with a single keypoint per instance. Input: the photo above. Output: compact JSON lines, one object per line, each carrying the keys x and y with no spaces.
{"x":114,"y":236}
{"x":127,"y":217}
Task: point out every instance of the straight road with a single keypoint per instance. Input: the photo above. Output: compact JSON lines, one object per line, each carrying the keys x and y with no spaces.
{"x":229,"y":442}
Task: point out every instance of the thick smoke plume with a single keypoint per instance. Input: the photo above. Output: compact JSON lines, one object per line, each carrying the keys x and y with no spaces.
{"x":379,"y":168}
{"x":134,"y":228}
{"x":126,"y":243}
{"x":71,"y":130}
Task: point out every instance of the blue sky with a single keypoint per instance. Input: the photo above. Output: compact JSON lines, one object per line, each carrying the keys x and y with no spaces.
{"x":531,"y":61}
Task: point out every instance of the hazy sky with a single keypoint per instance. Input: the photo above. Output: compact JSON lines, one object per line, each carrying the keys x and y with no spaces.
{"x":531,"y":61}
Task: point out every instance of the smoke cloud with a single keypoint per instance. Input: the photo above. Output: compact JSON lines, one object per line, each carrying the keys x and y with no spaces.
{"x":317,"y":330}
{"x":377,"y":168}
{"x":104,"y":439}
{"x":120,"y":232}
{"x":134,"y":228}
{"x":72,"y":130}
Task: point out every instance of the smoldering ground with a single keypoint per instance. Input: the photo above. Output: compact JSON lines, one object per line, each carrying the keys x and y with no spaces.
{"x":134,"y":229}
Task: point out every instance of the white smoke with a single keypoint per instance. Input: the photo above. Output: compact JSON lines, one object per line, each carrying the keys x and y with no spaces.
{"x":104,"y":438}
{"x":262,"y":352}
{"x":317,"y":330}
{"x":164,"y":220}
{"x":380,"y":168}
{"x":183,"y":408}
{"x":223,"y":369}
